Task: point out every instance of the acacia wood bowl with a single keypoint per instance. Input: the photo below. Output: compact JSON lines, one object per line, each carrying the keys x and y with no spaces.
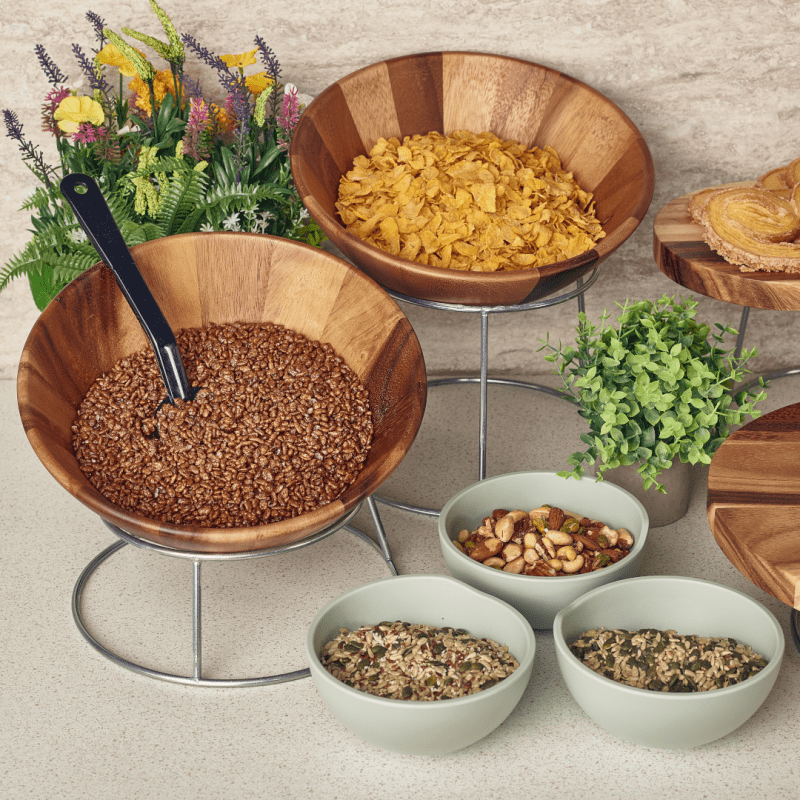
{"x":200,"y":279}
{"x":513,"y":99}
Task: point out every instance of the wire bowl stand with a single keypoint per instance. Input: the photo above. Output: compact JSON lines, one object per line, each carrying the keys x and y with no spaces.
{"x":483,"y":379}
{"x":197,"y":559}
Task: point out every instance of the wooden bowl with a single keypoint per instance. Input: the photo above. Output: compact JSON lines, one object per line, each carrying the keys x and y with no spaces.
{"x":212,"y":278}
{"x":445,"y":92}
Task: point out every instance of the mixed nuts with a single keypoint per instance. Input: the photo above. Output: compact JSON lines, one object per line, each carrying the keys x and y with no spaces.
{"x":545,"y":542}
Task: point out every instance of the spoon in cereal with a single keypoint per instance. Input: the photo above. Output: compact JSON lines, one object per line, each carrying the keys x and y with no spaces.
{"x":94,"y":216}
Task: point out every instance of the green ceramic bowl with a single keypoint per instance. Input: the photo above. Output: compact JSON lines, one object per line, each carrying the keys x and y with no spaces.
{"x":689,"y":606}
{"x":422,"y":727}
{"x":540,"y":599}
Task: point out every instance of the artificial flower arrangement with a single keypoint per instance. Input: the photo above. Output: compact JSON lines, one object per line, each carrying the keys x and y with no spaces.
{"x":167,"y":159}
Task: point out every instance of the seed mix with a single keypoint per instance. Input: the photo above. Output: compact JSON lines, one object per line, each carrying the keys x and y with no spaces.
{"x":406,"y":661}
{"x":665,"y":661}
{"x":281,"y":426}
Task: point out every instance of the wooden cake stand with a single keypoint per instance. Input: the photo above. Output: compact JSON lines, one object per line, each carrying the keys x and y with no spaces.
{"x":754,"y":477}
{"x":754,"y":504}
{"x":683,"y":256}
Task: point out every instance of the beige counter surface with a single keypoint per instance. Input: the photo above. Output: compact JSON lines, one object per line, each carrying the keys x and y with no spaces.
{"x":76,"y":725}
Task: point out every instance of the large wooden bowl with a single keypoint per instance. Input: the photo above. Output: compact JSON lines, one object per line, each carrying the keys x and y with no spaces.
{"x":445,"y":92}
{"x":206,"y":278}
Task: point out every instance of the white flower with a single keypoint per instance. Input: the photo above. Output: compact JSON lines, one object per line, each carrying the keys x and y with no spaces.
{"x":78,"y":235}
{"x":289,"y":88}
{"x":231,"y":223}
{"x":207,"y":227}
{"x":124,"y":129}
{"x":266,"y":216}
{"x":303,"y":215}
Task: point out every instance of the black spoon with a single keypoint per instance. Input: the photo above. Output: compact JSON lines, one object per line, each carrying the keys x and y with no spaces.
{"x":94,"y":215}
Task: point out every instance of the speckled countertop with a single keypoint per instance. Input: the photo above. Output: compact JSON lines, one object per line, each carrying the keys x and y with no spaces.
{"x":76,"y":725}
{"x":713,"y":87}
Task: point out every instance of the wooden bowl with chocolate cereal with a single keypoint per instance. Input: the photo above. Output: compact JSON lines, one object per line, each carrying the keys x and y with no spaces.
{"x":471,"y":178}
{"x":312,"y":389}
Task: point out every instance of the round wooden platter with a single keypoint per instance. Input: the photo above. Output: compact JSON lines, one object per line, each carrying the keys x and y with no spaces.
{"x":684,"y":257}
{"x":753,"y":502}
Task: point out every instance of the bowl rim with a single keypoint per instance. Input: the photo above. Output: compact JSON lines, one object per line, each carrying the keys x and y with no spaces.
{"x":579,"y":264}
{"x":445,"y":540}
{"x":563,"y":651}
{"x":525,"y":663}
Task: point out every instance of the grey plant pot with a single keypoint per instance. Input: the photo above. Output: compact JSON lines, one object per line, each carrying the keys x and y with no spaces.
{"x":662,"y":509}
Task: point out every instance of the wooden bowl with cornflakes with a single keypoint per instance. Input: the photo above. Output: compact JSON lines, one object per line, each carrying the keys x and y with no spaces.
{"x":456,"y":91}
{"x":205,"y":279}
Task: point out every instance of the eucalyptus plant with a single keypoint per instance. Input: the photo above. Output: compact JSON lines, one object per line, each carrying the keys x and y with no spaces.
{"x":655,"y":387}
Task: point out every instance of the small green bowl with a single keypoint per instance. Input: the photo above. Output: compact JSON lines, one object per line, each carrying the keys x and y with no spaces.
{"x":419,"y":727}
{"x":540,"y":599}
{"x":690,"y":607}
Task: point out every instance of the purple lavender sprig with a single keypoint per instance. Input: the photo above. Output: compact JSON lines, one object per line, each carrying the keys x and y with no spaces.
{"x":31,"y":154}
{"x":98,"y":23}
{"x":229,"y":81}
{"x":53,"y":74}
{"x":95,"y":78}
{"x":269,"y":58}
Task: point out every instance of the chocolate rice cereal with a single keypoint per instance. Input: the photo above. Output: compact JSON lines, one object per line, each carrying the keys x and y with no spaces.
{"x":280,"y":427}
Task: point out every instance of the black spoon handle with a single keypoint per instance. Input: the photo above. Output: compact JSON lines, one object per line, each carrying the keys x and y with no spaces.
{"x":94,"y":215}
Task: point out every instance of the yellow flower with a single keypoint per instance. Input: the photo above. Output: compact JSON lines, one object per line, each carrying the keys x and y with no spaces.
{"x":258,"y":82}
{"x":224,"y":122}
{"x":163,"y":82}
{"x":111,"y":55}
{"x":72,"y":111}
{"x":241,"y":60}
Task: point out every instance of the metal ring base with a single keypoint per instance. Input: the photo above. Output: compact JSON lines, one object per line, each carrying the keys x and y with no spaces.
{"x":196,"y":679}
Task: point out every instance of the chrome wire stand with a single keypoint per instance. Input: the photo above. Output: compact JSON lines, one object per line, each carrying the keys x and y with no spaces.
{"x":483,"y":379}
{"x":197,"y":559}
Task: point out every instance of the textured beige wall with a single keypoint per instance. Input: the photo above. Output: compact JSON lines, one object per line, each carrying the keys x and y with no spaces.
{"x":712,"y":84}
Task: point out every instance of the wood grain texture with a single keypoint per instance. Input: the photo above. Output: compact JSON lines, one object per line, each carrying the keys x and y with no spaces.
{"x":208,"y":278}
{"x":753,"y":502}
{"x":684,"y":257}
{"x":449,"y":91}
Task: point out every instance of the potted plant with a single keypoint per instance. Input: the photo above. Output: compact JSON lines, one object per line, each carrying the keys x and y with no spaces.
{"x":656,"y":389}
{"x":168,"y":158}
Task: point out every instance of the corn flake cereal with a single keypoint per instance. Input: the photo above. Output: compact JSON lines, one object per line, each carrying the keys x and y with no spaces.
{"x":467,"y":202}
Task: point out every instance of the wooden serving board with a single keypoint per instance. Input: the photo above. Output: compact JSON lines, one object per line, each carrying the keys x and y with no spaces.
{"x":753,"y":502}
{"x":684,"y":257}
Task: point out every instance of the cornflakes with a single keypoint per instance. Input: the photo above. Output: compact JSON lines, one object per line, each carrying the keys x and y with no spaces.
{"x":467,"y":202}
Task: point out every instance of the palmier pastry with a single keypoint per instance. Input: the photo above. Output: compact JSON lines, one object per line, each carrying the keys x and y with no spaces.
{"x":754,"y":228}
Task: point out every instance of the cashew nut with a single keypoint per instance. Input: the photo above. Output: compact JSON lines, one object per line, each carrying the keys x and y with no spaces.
{"x":571,"y":567}
{"x":495,"y":562}
{"x":566,"y":553}
{"x":611,"y":535}
{"x":463,"y":535}
{"x":529,"y":541}
{"x":549,"y":546}
{"x":556,"y":564}
{"x":517,"y":515}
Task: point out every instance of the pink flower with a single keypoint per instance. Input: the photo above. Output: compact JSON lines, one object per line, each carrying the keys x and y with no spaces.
{"x":290,"y":110}
{"x":86,"y":134}
{"x":198,"y":133}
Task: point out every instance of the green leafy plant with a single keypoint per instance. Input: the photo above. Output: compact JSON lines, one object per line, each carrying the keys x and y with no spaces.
{"x":167,"y":159}
{"x":655,"y":387}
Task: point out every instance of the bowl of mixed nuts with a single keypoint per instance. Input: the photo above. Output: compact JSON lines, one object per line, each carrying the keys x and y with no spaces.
{"x":666,"y":661}
{"x":420,"y":664}
{"x":539,"y":541}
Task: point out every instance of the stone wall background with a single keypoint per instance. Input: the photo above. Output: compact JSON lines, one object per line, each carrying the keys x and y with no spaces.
{"x":712,"y":85}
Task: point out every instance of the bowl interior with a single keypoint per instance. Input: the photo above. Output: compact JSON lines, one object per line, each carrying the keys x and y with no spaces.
{"x":211,"y":278}
{"x":450,"y":91}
